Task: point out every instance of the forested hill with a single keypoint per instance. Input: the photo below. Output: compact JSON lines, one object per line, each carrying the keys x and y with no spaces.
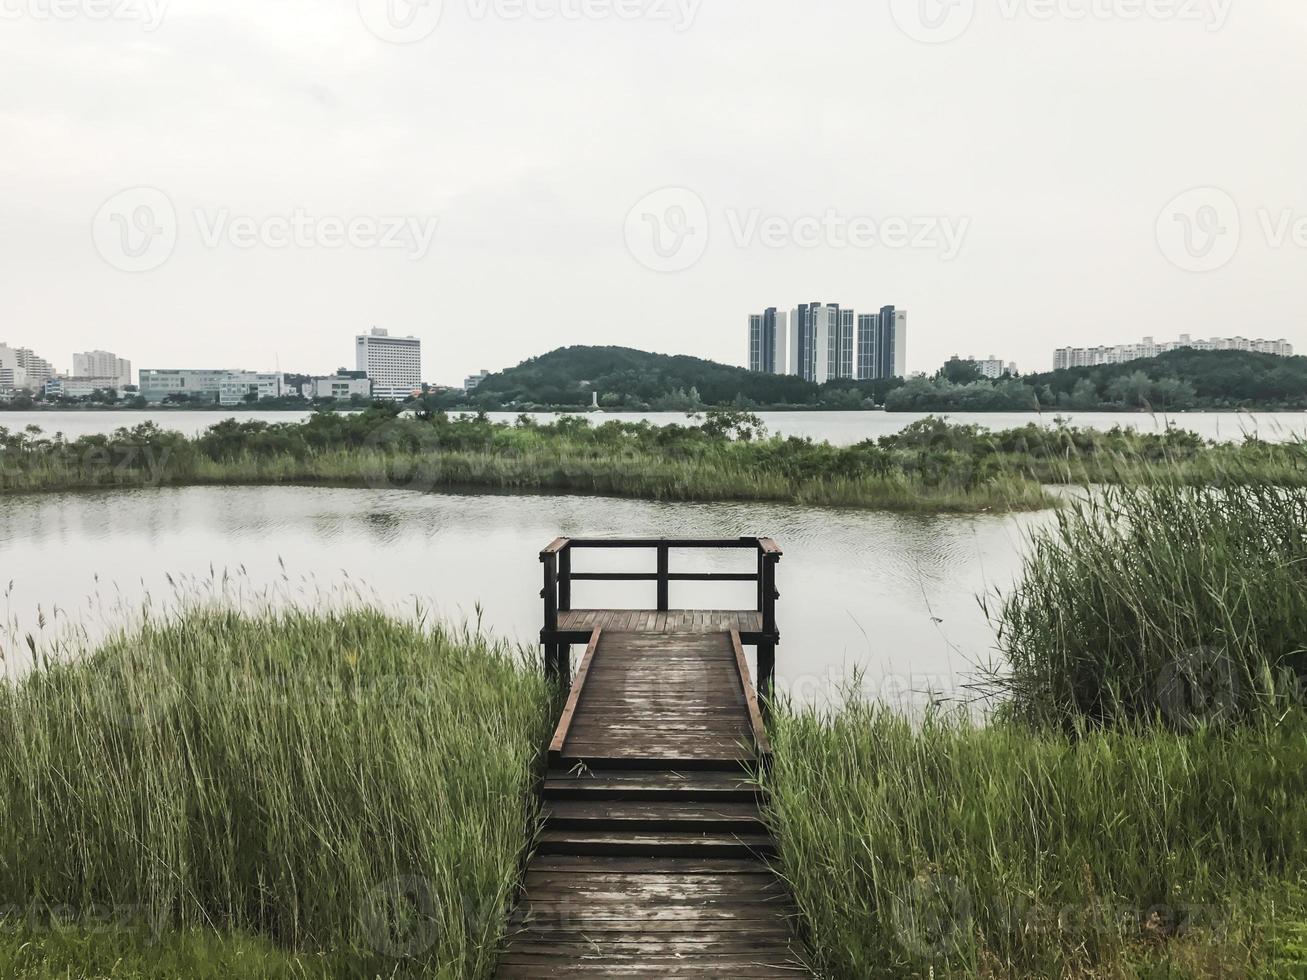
{"x":632,"y":378}
{"x":1207,"y":378}
{"x":1175,"y":381}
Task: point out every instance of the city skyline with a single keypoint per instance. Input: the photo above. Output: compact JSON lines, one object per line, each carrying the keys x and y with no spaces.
{"x":548,"y":219}
{"x":822,"y":342}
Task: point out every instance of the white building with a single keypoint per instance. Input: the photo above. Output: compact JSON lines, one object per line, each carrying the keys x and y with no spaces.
{"x":393,"y":364}
{"x":341,"y":387}
{"x":1071,"y":357}
{"x":103,"y":364}
{"x":242,"y":387}
{"x":23,"y":369}
{"x":473,"y":381}
{"x":223,"y":387}
{"x":82,"y":387}
{"x":769,"y":341}
{"x":993,"y":368}
{"x":156,"y":384}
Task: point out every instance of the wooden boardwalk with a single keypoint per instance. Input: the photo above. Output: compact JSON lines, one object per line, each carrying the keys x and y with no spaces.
{"x":653,"y":857}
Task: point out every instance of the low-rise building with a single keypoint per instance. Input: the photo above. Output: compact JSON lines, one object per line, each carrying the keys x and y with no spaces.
{"x":219,"y":386}
{"x":1072,"y":357}
{"x":242,"y":387}
{"x":473,"y":381}
{"x":342,"y":386}
{"x":82,"y":387}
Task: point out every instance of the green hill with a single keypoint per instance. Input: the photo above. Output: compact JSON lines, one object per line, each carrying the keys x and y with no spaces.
{"x":1186,"y":378}
{"x":627,"y":378}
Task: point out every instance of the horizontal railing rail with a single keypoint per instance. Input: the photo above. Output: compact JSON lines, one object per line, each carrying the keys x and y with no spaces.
{"x":559,"y":576}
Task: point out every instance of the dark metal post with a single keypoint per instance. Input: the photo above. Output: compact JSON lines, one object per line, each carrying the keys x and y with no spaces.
{"x":662,"y":578}
{"x":767,"y":648}
{"x":565,"y":580}
{"x":550,"y":595}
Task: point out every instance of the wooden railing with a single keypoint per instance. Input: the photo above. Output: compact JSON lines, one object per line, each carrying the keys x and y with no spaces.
{"x":559,"y":576}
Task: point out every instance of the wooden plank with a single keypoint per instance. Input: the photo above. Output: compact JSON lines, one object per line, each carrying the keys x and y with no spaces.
{"x":574,"y":698}
{"x":760,"y":739}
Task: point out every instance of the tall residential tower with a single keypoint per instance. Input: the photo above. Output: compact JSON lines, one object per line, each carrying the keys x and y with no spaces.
{"x":392,"y":364}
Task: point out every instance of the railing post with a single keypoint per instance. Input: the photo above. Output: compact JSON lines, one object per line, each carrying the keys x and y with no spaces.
{"x":565,"y":580}
{"x":767,"y":648}
{"x":550,"y":595}
{"x":662,"y":578}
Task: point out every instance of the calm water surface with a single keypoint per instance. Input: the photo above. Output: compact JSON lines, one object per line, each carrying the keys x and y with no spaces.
{"x":839,"y":428}
{"x":892,"y":596}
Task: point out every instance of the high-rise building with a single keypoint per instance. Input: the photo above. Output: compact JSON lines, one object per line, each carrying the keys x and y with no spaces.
{"x":883,"y":354}
{"x":803,"y":341}
{"x":868,"y":340}
{"x":393,"y":364}
{"x":103,"y":364}
{"x":23,"y":369}
{"x":846,"y":340}
{"x":1071,"y":357}
{"x":769,"y":341}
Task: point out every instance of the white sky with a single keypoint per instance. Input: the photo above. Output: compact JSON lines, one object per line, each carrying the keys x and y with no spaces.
{"x":1050,"y":134}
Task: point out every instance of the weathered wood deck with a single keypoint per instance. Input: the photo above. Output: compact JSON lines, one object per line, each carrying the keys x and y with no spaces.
{"x":653,"y":858}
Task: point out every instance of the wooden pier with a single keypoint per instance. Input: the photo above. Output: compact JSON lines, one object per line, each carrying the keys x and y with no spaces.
{"x":653,"y":858}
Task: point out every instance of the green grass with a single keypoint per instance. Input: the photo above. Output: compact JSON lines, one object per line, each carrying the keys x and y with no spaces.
{"x":952,"y":849}
{"x":1160,"y":603}
{"x":345,"y":783}
{"x":92,"y":952}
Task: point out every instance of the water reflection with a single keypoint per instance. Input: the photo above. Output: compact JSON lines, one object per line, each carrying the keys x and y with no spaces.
{"x":891,"y":595}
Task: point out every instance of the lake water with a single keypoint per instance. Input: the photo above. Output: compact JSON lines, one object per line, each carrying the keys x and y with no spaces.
{"x":891,"y":595}
{"x":838,"y":428}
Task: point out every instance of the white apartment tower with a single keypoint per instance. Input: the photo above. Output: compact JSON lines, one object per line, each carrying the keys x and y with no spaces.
{"x":103,"y":364}
{"x":392,"y":364}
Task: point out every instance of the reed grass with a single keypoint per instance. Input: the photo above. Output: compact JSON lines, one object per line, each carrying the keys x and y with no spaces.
{"x":320,"y":781}
{"x":1170,"y":603}
{"x":955,"y":849}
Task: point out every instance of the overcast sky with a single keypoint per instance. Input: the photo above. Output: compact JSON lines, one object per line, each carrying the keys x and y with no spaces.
{"x":249,"y":183}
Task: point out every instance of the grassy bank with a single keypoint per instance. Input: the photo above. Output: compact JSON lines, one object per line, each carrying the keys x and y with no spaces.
{"x":351,"y":793}
{"x":727,"y":458}
{"x":930,"y":466}
{"x":1171,"y":604}
{"x":999,"y":851}
{"x":1138,"y":808}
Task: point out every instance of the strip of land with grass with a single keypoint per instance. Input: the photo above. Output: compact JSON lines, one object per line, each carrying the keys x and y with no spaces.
{"x":930,"y":466}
